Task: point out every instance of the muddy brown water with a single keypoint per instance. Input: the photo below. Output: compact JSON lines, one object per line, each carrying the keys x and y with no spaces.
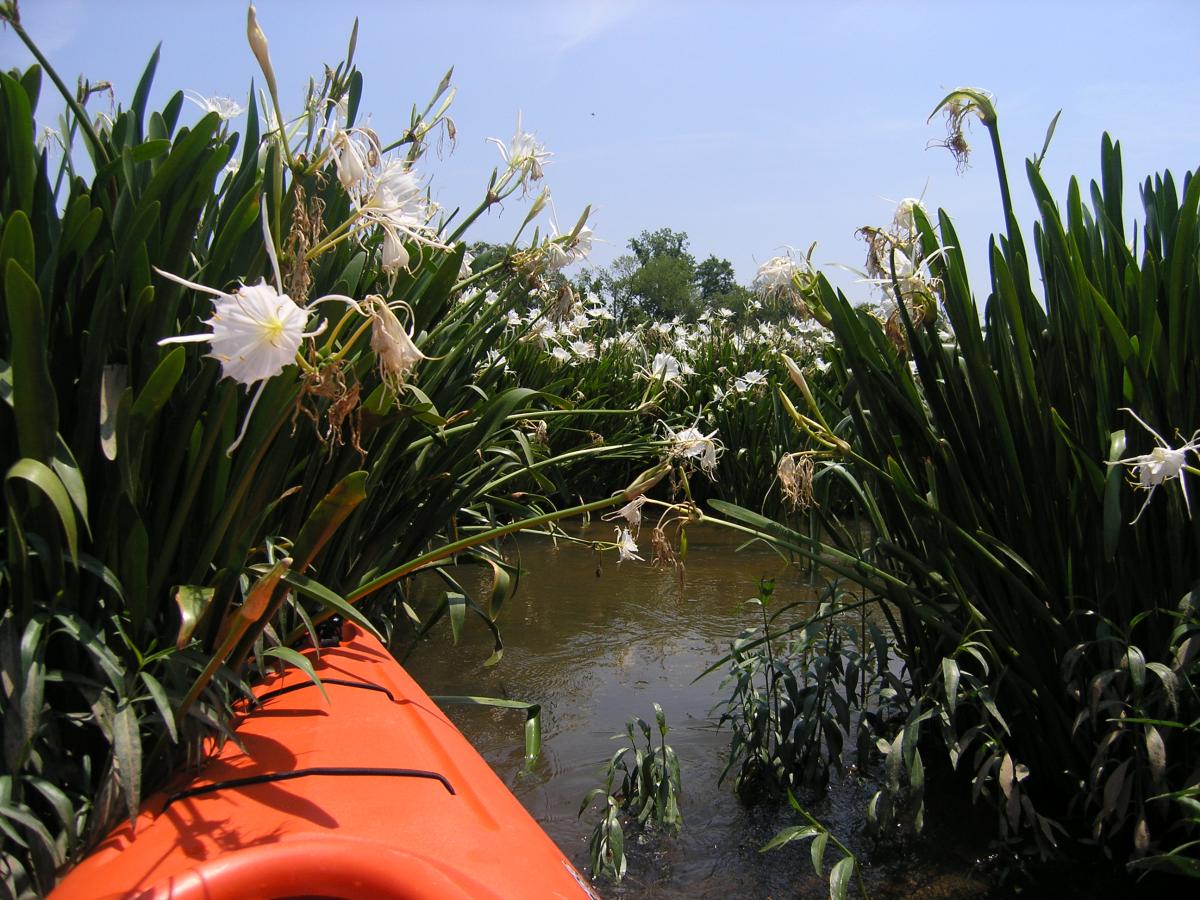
{"x":595,"y":642}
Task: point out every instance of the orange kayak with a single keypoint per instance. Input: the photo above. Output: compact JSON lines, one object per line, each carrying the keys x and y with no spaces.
{"x":371,"y":794}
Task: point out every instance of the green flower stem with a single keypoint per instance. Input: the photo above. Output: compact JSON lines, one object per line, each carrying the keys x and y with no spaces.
{"x":514,"y":418}
{"x":334,"y":237}
{"x":81,"y":115}
{"x":487,"y":203}
{"x":450,"y":549}
{"x":493,"y":197}
{"x":1010,"y":218}
{"x":481,"y":274}
{"x":359,"y":332}
{"x":582,"y":453}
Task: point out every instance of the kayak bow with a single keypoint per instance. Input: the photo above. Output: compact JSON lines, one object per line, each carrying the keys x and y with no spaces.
{"x":371,"y":794}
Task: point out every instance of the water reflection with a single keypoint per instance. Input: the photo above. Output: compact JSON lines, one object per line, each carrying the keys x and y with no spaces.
{"x":595,"y":643}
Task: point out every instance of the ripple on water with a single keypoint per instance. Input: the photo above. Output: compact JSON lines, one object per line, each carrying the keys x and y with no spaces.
{"x":594,"y":651}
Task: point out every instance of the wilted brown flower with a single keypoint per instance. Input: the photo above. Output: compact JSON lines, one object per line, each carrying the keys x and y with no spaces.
{"x":795,"y":472}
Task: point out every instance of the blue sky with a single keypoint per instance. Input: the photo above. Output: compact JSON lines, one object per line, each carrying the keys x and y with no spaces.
{"x":751,"y":126}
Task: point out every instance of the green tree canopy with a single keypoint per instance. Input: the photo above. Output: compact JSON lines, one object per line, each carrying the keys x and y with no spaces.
{"x":660,"y":279}
{"x":714,"y":277}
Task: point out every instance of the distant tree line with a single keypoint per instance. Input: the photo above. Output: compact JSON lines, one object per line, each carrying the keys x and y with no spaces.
{"x":658,"y":280}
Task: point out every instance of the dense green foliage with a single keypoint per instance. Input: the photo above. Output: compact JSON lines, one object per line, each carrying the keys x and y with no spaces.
{"x":1045,"y":607}
{"x":164,"y":526}
{"x":1021,"y":475}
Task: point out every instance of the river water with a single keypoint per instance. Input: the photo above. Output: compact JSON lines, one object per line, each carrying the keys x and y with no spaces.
{"x":594,"y":643}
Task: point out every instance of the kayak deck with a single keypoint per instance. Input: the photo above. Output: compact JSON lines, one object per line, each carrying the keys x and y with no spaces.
{"x":374,"y":793}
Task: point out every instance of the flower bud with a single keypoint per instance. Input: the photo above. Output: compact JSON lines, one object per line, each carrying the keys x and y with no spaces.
{"x":395,"y":257}
{"x":258,"y":43}
{"x":646,"y":481}
{"x":539,"y":204}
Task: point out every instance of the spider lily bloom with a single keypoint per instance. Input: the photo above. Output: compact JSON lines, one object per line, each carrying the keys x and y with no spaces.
{"x":691,"y":443}
{"x":224,"y":107}
{"x":666,"y":368}
{"x":464,"y":270}
{"x":1161,"y":464}
{"x":554,"y":256}
{"x":523,"y":155}
{"x":396,"y":202}
{"x":743,"y":384}
{"x":350,"y":160}
{"x":393,"y":256}
{"x":256,"y":334}
{"x":631,"y":512}
{"x":256,"y":331}
{"x":903,"y":221}
{"x":626,"y":545}
{"x":582,"y":349}
{"x":775,"y":277}
{"x":581,"y":244}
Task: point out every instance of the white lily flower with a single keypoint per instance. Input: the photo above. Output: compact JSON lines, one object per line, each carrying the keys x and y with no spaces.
{"x":777,"y":277}
{"x":523,"y":155}
{"x":631,"y":512}
{"x":464,"y":271}
{"x":395,"y":201}
{"x":398,"y":200}
{"x":691,"y":443}
{"x":350,"y":160}
{"x":554,"y":256}
{"x":394,"y":256}
{"x":561,"y":354}
{"x":256,"y":331}
{"x":223,"y":106}
{"x":581,"y":246}
{"x":544,"y":331}
{"x":665,"y":368}
{"x":743,"y":384}
{"x":626,"y":546}
{"x":1161,"y":464}
{"x":903,"y":220}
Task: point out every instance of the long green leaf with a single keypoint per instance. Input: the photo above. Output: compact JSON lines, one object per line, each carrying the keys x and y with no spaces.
{"x":300,"y":661}
{"x":34,"y":398}
{"x":45,"y":480}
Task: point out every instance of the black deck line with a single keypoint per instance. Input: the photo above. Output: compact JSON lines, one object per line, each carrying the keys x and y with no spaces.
{"x":343,"y":682}
{"x":271,"y":777}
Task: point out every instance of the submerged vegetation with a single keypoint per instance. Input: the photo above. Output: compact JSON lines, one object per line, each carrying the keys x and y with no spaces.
{"x":1004,"y":484}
